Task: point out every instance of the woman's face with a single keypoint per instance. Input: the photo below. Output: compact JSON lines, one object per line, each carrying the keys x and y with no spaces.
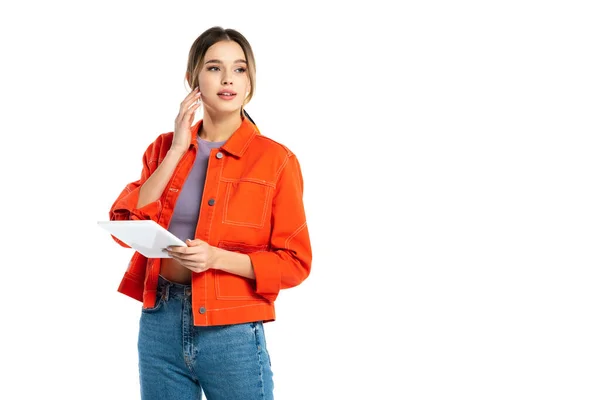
{"x":223,"y":79}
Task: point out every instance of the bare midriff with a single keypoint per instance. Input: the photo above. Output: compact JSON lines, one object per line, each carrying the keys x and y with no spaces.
{"x":175,"y":272}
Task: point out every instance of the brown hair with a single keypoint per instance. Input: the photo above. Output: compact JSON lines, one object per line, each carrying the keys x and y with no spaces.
{"x":207,"y":39}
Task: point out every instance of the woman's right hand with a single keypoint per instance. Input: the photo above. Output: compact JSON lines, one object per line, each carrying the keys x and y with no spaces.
{"x":183,"y":122}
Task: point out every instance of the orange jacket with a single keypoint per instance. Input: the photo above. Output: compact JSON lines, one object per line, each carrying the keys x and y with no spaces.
{"x":252,"y":204}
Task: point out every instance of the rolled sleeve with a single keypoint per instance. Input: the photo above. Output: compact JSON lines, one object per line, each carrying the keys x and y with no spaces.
{"x":125,"y":206}
{"x":288,"y":263}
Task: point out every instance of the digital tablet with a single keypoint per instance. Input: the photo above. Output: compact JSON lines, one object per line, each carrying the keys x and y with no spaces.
{"x":145,"y":236}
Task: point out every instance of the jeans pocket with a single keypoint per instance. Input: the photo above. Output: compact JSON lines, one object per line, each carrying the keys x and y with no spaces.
{"x":160,"y":299}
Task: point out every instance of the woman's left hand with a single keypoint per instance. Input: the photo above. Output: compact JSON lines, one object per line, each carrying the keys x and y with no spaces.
{"x":196,"y":257}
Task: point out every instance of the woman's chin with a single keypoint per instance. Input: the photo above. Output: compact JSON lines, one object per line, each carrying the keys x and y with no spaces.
{"x":224,"y":108}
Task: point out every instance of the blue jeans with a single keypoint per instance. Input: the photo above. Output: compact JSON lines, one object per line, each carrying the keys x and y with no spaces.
{"x":178,"y":360}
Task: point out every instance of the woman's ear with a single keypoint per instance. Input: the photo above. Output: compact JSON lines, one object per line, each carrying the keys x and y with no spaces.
{"x":189,"y":80}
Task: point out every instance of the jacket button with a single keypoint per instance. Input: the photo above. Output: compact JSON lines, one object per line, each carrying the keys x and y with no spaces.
{"x":202,"y":310}
{"x":219,"y":155}
{"x":211,"y":202}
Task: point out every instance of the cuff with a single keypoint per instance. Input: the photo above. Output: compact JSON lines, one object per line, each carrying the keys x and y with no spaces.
{"x":268,"y":274}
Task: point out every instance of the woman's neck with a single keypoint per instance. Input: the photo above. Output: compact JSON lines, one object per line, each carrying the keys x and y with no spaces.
{"x":219,"y":129}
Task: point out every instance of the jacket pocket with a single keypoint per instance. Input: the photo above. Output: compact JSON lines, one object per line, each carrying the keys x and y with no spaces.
{"x":234,"y":287}
{"x":247,"y":203}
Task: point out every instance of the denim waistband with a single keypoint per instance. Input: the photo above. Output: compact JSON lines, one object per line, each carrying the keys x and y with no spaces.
{"x":166,"y":289}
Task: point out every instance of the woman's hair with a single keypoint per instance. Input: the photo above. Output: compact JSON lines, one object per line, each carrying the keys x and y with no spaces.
{"x":207,"y":39}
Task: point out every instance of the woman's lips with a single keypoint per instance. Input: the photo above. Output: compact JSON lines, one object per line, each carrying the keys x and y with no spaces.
{"x":227,"y":96}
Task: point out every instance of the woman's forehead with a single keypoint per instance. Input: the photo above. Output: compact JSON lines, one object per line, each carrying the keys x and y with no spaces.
{"x":225,"y":51}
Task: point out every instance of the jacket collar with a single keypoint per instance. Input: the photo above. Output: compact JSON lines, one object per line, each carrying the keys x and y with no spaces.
{"x":239,"y":141}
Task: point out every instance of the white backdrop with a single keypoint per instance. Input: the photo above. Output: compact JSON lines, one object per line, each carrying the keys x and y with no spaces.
{"x":450,"y":157}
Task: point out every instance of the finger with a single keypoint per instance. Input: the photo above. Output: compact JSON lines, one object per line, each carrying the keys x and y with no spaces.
{"x":176,"y":249}
{"x":187,"y":257}
{"x":194,"y":242}
{"x":186,"y":251}
{"x":191,"y":95}
{"x":185,"y":262}
{"x":190,"y":99}
{"x":189,"y":114}
{"x":191,"y":264}
{"x":187,"y":102}
{"x":195,"y":266}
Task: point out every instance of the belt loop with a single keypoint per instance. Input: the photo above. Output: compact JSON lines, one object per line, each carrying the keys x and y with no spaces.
{"x":166,"y":293}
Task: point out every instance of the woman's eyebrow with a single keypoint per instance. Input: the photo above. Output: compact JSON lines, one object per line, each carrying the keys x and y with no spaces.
{"x":220,"y":62}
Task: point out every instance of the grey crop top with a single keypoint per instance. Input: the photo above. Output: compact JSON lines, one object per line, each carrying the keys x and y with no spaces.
{"x":187,"y":209}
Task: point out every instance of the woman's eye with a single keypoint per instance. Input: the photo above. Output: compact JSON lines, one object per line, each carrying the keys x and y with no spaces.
{"x":240,"y":70}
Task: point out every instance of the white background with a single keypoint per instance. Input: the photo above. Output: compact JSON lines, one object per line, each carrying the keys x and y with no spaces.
{"x":450,"y":155}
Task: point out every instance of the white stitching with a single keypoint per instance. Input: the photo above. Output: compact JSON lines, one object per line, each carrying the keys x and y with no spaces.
{"x":282,"y":167}
{"x":289,"y":239}
{"x":232,"y":297}
{"x":244,"y":306}
{"x":217,"y":193}
{"x":264,"y":216}
{"x":248,"y":143}
{"x":253,"y":180}
{"x":261,"y":224}
{"x":226,"y":202}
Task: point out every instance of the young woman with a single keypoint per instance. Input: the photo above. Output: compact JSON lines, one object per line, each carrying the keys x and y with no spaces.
{"x":235,"y":197}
